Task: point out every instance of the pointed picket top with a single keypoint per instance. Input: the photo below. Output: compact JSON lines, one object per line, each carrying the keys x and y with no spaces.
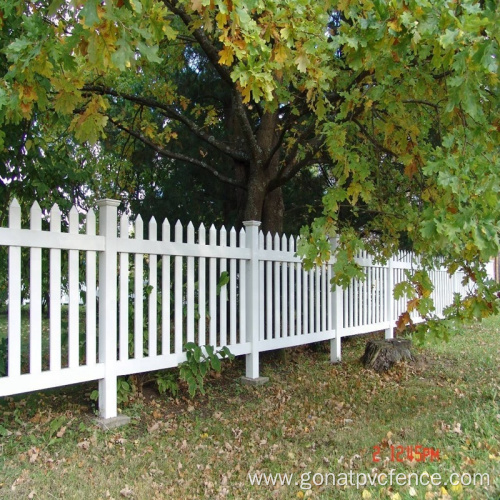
{"x":124,"y":226}
{"x":153,"y":229}
{"x":74,"y":222}
{"x":202,"y":234}
{"x":291,"y":244}
{"x":139,"y":228}
{"x":223,"y":237}
{"x":90,"y":222}
{"x":14,"y":203}
{"x":55,"y":218}
{"x":212,"y":238}
{"x":261,"y":239}
{"x":232,"y":237}
{"x":284,"y":243}
{"x":15,"y":215}
{"x":277,"y":245}
{"x":269,"y":241}
{"x":243,"y":238}
{"x":165,"y":230}
{"x":179,"y":230}
{"x":190,"y":233}
{"x":36,"y":217}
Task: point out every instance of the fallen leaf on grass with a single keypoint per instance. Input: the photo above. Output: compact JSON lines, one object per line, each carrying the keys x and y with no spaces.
{"x":126,"y":492}
{"x":33,"y":454}
{"x":456,"y":488}
{"x":84,"y":445}
{"x":154,"y":427}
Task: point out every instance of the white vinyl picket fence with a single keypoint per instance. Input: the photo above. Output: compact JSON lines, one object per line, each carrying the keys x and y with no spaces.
{"x":146,"y":298}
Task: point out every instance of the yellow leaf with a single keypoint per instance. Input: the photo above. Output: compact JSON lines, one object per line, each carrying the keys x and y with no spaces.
{"x":300,"y":494}
{"x":302,"y":62}
{"x":394,"y":25}
{"x":280,"y":53}
{"x":197,"y":5}
{"x":246,"y":92}
{"x":353,"y":191}
{"x":456,"y":488}
{"x":366,"y":494}
{"x":444,"y":491}
{"x":412,"y":492}
{"x":226,"y":56}
{"x":396,"y":496}
{"x":221,"y":20}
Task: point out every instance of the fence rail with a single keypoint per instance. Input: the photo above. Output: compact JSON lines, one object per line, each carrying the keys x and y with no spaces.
{"x":145,"y":298}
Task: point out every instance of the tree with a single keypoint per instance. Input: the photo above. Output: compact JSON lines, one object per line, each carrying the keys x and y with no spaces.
{"x":132,"y":65}
{"x":416,"y":148}
{"x":397,"y":101}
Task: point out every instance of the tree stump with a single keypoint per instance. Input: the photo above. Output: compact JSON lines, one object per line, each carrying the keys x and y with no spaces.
{"x":381,"y":354}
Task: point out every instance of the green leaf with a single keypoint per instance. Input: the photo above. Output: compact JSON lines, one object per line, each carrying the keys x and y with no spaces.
{"x":150,"y":52}
{"x":448,"y":38}
{"x":3,"y":98}
{"x":216,"y":364}
{"x":54,"y":6}
{"x":89,"y":12}
{"x":136,"y":5}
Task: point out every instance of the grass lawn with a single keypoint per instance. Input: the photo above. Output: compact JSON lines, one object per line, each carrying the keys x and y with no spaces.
{"x":311,"y":418}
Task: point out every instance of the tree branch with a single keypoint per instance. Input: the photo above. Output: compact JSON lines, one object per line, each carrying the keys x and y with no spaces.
{"x":424,"y":103}
{"x":373,"y":140}
{"x":293,"y":168}
{"x":174,"y":114}
{"x":177,"y":156}
{"x":200,"y":36}
{"x":224,"y":72}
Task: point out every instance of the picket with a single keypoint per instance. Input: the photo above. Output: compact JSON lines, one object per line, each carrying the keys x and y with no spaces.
{"x":174,"y":291}
{"x":35,"y":340}
{"x":91,"y":295}
{"x":55,"y":295}
{"x":74,"y":296}
{"x":124,"y":289}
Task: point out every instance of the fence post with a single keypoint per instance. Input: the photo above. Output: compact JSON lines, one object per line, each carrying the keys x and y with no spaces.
{"x":389,"y":297}
{"x":108,"y":226}
{"x":252,"y":305}
{"x":338,"y":314}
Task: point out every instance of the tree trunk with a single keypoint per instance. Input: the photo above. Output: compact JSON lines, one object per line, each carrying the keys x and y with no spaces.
{"x":273,"y":211}
{"x":259,"y":203}
{"x":381,"y":355}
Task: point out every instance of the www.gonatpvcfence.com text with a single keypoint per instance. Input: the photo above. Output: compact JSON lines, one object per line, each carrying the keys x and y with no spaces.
{"x":306,"y":480}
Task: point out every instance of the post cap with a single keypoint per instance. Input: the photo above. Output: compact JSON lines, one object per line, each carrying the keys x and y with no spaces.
{"x":108,"y":202}
{"x":252,"y":223}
